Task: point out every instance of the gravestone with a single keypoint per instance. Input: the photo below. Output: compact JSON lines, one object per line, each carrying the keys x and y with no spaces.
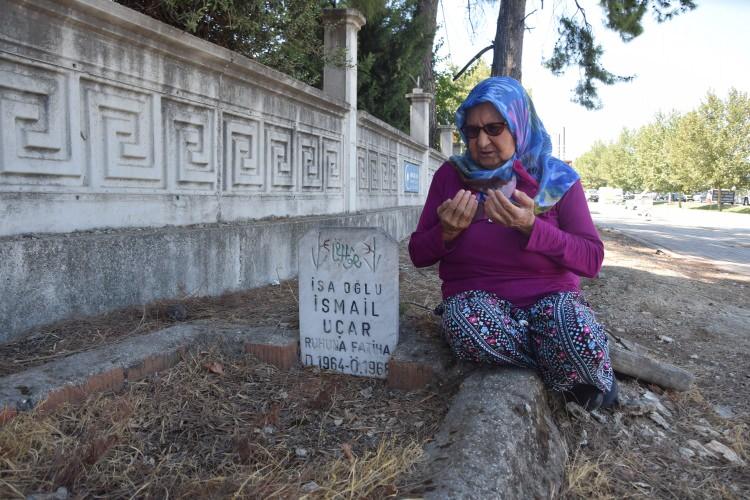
{"x":348,"y":300}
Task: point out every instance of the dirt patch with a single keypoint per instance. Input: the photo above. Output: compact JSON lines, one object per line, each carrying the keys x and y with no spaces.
{"x":690,"y":314}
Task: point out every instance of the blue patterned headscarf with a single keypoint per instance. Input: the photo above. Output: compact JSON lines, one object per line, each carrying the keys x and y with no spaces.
{"x":533,"y":145}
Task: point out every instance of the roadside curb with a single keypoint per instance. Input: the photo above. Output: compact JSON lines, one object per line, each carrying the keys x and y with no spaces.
{"x":499,"y":430}
{"x":499,"y":426}
{"x":415,"y":363}
{"x":418,"y":361}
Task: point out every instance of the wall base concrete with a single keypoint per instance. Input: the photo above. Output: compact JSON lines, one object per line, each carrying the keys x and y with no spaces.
{"x":46,"y":278}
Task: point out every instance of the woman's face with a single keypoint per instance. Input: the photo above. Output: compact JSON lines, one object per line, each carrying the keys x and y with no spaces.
{"x":486,"y":150}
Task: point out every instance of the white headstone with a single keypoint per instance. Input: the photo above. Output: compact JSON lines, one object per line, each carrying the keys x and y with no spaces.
{"x":348,"y":300}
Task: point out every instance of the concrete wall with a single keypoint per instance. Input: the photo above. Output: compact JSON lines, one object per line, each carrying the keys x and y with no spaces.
{"x":382,"y":153}
{"x":109,"y":118}
{"x":114,"y":125}
{"x":52,"y":277}
{"x":112,"y":119}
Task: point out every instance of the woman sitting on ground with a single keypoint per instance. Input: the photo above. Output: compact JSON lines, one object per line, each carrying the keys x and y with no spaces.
{"x":512,"y":231}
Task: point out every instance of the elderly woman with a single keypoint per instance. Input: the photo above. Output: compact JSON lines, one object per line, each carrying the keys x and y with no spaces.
{"x":510,"y":227}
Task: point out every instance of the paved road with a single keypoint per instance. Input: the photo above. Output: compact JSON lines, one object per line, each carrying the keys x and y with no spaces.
{"x":722,"y":238}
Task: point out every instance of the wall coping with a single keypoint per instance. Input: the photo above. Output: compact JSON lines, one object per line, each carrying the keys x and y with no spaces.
{"x":348,"y":15}
{"x":365,"y":119}
{"x":122,"y":21}
{"x":105,"y":232}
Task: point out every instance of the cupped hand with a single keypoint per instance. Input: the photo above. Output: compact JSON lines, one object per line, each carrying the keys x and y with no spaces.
{"x":457,"y":213}
{"x":501,"y":210}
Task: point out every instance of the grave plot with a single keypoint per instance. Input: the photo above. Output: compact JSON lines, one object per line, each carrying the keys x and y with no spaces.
{"x":221,"y":423}
{"x":218,"y":425}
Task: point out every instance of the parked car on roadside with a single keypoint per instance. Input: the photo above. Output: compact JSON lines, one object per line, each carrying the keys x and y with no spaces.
{"x":699,"y":197}
{"x":677,"y":197}
{"x":592,"y":195}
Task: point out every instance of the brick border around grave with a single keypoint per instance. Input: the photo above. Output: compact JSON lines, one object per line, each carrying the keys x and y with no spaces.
{"x":109,"y":368}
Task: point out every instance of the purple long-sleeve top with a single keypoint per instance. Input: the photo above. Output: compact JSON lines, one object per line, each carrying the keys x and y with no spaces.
{"x":563,"y":245}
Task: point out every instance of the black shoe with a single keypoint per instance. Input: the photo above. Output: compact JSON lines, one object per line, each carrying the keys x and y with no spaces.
{"x":611,"y":396}
{"x":587,"y":396}
{"x":439,"y":310}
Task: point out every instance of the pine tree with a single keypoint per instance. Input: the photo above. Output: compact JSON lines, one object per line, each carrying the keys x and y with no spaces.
{"x":576,"y":45}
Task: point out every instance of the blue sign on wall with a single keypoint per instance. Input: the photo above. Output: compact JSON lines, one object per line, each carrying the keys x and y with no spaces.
{"x":411,"y":177}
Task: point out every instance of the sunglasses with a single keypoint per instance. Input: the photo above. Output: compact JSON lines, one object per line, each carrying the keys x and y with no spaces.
{"x":492,"y":129}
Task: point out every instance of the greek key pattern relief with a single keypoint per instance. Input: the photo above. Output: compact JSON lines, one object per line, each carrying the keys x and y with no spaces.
{"x":363,"y":173}
{"x":309,"y":152}
{"x":242,"y":154}
{"x":60,"y":127}
{"x":372,"y":158}
{"x":121,"y":136}
{"x":35,"y":128}
{"x":393,"y":165}
{"x":377,"y":165}
{"x":189,"y":153}
{"x":385,"y":173}
{"x":279,"y":157}
{"x":332,"y":164}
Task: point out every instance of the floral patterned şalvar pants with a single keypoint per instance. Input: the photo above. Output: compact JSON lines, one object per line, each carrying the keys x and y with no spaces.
{"x":558,"y":336}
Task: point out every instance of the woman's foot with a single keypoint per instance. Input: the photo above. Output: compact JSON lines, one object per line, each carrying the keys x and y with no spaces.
{"x":611,"y":396}
{"x":591,"y":398}
{"x":587,"y":396}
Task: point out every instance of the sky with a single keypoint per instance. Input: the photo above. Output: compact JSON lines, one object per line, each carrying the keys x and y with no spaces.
{"x":675,"y":64}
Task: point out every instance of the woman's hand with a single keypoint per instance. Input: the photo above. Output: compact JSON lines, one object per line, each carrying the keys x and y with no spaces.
{"x":457,"y":213}
{"x":501,"y":210}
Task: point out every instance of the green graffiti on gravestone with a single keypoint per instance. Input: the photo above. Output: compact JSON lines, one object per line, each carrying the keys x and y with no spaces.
{"x":348,"y":300}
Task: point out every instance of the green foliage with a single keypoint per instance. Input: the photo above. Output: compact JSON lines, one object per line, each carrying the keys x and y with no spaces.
{"x":576,"y":46}
{"x":286,"y":35}
{"x":727,"y":139}
{"x":699,"y":150}
{"x":591,"y":166}
{"x":391,"y":46}
{"x":450,"y":94}
{"x":652,"y":146}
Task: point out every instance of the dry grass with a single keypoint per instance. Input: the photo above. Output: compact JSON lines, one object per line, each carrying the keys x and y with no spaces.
{"x":253,"y":432}
{"x":587,"y":477}
{"x":374,"y":475}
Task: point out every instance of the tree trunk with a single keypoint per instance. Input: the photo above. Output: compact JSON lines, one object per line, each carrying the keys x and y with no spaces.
{"x":509,"y":39}
{"x":427,"y":10}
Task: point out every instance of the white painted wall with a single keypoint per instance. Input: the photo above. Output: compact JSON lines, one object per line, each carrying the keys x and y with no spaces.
{"x":109,"y":118}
